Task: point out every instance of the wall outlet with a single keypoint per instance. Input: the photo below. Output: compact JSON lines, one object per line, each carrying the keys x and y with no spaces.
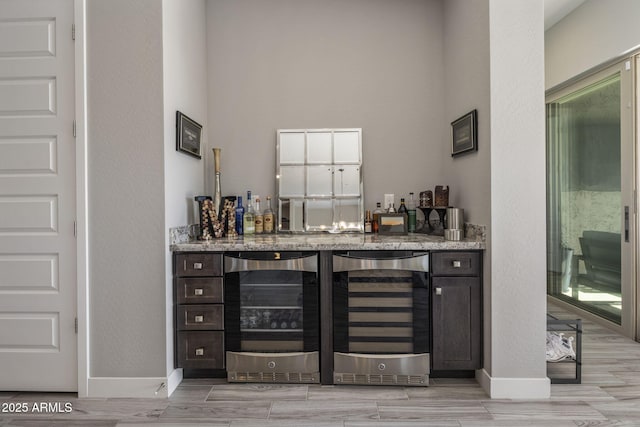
{"x":389,"y":199}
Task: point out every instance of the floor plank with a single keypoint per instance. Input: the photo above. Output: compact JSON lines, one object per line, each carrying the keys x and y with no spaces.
{"x":608,"y":396}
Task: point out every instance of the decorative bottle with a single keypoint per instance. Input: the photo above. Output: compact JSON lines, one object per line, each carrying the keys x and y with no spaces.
{"x":249,"y":218}
{"x":239,"y":217}
{"x":217,"y":193}
{"x":268,"y":217}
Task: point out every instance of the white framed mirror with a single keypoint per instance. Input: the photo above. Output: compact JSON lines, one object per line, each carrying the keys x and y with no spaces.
{"x":319,"y":180}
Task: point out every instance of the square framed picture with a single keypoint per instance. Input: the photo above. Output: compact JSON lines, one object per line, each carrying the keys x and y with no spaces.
{"x":188,"y":135}
{"x":464,"y":134}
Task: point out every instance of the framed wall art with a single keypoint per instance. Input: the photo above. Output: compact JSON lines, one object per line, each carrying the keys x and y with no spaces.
{"x":188,"y":135}
{"x":392,"y":223}
{"x":464,"y":134}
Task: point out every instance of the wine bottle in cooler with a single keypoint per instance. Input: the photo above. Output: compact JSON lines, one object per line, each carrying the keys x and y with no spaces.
{"x":295,"y":322}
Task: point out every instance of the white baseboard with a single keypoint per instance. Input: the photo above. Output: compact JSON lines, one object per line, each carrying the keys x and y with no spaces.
{"x":147,"y":387}
{"x":514,"y":388}
{"x":174,"y":380}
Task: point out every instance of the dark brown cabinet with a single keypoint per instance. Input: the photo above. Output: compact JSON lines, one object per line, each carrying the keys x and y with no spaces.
{"x":199,"y":311}
{"x":456,"y":310}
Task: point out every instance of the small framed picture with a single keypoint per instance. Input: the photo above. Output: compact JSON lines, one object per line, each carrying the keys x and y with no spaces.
{"x":392,"y":223}
{"x":464,"y":134}
{"x":188,"y":135}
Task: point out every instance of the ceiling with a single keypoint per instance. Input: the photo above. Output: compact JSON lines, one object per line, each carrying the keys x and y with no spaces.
{"x":555,"y":10}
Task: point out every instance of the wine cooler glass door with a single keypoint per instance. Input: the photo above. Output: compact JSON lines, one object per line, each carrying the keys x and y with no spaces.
{"x":272,"y":306}
{"x":271,"y":311}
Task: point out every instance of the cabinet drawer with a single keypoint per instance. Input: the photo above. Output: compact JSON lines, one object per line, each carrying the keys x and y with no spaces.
{"x":455,"y":263}
{"x":201,"y":350}
{"x":200,"y":317}
{"x":198,"y":264}
{"x":191,"y":290}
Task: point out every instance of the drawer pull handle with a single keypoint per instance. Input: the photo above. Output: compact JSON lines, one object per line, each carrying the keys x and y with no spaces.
{"x":200,"y":351}
{"x":456,"y":264}
{"x":198,"y":319}
{"x":197,"y":266}
{"x":271,"y":364}
{"x":438,"y":290}
{"x":382,"y":366}
{"x":198,"y":292}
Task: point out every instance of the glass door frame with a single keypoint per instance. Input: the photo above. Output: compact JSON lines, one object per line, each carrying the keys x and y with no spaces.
{"x":626,"y":67}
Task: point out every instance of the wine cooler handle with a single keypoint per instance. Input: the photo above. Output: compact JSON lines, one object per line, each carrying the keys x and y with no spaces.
{"x":414,"y":263}
{"x":307,"y":263}
{"x":626,"y":224}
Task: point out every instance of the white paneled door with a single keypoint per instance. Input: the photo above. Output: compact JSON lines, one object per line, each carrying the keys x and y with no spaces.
{"x":38,"y":342}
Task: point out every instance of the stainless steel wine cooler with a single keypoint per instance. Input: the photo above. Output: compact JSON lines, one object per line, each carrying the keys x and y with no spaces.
{"x":381,"y":318}
{"x":271,"y":317}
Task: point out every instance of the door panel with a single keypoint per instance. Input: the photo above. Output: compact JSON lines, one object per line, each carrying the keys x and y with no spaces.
{"x":590,"y":187}
{"x":38,"y":288}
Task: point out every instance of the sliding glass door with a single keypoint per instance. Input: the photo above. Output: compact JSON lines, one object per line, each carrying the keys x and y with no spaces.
{"x":590,"y":187}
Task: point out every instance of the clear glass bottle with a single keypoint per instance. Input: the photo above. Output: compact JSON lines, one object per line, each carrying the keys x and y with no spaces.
{"x":392,"y":208}
{"x":239,"y":217}
{"x":249,"y":218}
{"x":268,"y":218}
{"x":411,"y":213}
{"x":259,"y":221}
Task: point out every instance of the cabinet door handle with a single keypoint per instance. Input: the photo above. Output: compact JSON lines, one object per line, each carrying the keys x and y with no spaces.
{"x":198,"y":292}
{"x":198,"y":319}
{"x":456,"y":264}
{"x":438,"y":290}
{"x":197,"y":266}
{"x":200,"y":351}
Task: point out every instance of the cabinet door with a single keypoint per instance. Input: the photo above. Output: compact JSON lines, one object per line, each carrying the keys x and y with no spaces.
{"x":456,"y":323}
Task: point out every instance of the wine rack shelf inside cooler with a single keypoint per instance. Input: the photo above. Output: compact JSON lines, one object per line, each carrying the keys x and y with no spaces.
{"x":380,"y":311}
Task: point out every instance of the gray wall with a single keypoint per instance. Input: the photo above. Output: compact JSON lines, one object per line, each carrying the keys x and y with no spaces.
{"x":592,"y":34}
{"x":126,"y":192}
{"x":467,"y":87}
{"x":374,"y":64}
{"x":185,"y":82}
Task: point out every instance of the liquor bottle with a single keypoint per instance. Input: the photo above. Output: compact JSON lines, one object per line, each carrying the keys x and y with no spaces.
{"x":392,"y":208}
{"x":411,"y":212}
{"x":376,"y":221}
{"x":403,"y":207}
{"x":268,"y":217}
{"x":239,"y":216}
{"x":368,"y":228}
{"x":249,"y":218}
{"x":259,"y":221}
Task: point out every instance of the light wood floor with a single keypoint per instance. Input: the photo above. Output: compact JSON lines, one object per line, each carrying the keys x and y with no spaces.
{"x":608,"y":396}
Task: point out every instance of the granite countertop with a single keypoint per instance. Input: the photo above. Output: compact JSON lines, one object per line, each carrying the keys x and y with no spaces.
{"x":326,"y":241}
